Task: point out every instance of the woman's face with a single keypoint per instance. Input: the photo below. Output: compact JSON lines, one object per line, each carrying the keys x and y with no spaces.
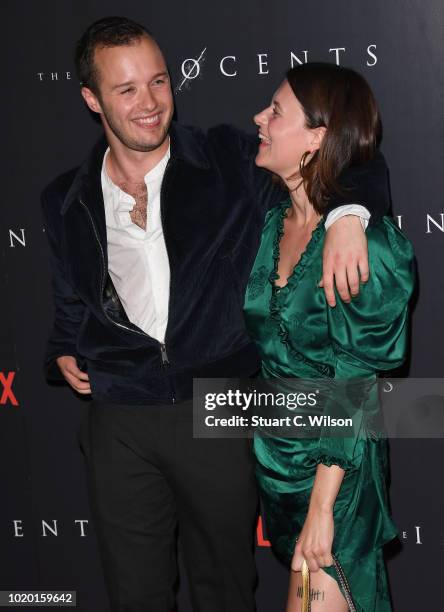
{"x":284,"y":135}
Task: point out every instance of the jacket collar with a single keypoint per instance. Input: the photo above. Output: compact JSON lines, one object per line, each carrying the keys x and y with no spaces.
{"x":186,"y":145}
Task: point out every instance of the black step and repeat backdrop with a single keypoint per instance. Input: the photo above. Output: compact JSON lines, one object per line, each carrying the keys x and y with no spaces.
{"x":226,"y":58}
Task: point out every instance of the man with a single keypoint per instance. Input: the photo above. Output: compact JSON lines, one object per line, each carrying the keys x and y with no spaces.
{"x":152,"y":240}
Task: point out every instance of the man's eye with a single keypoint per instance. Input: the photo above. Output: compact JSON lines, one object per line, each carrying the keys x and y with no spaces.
{"x":128,"y":90}
{"x":159,"y":82}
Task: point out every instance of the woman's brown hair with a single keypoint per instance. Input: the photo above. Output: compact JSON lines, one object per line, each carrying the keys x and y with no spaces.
{"x":340,"y":100}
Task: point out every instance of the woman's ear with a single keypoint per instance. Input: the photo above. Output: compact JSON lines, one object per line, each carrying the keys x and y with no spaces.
{"x":317,"y":137}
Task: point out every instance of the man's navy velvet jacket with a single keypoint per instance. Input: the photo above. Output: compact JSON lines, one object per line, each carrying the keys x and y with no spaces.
{"x":213,"y":203}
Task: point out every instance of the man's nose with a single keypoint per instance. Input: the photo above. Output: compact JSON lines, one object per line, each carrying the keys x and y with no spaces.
{"x":147,"y":99}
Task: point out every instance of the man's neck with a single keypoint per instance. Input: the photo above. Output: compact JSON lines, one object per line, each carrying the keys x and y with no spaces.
{"x":124,"y":165}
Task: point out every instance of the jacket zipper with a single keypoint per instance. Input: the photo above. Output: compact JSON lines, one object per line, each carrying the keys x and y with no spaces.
{"x":165,"y":360}
{"x":162,"y":221}
{"x":163,"y":353}
{"x":141,"y":333}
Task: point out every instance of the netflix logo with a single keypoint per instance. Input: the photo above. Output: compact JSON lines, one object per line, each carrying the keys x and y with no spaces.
{"x":260,"y":537}
{"x":7,"y":395}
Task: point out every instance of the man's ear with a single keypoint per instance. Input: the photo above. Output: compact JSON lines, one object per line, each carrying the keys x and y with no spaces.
{"x":317,"y":137}
{"x":91,"y":100}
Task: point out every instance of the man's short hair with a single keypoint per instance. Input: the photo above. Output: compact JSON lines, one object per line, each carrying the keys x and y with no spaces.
{"x":105,"y":32}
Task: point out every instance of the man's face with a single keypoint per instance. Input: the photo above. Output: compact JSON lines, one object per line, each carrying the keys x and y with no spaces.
{"x":134,"y":95}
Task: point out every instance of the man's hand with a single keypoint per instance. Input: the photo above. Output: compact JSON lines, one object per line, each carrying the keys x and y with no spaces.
{"x":345,"y":258}
{"x":72,"y":374}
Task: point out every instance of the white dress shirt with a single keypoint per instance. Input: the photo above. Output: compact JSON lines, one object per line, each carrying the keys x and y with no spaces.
{"x":138,"y":260}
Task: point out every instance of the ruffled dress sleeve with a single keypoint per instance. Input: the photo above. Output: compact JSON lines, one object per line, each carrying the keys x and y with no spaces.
{"x":367,"y":336}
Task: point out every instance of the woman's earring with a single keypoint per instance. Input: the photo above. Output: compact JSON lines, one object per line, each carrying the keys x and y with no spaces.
{"x":302,"y":162}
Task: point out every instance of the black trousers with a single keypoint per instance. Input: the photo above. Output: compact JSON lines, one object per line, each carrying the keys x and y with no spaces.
{"x":147,"y":475}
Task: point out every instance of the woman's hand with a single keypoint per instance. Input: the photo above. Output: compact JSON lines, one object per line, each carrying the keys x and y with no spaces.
{"x":315,"y":541}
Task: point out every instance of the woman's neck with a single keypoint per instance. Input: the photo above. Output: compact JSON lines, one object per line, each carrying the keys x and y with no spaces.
{"x":302,"y":211}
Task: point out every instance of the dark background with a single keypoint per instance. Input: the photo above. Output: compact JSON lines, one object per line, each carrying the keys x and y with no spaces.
{"x":48,"y":130}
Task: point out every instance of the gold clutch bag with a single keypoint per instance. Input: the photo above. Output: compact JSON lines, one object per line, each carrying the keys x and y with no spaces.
{"x":306,"y":602}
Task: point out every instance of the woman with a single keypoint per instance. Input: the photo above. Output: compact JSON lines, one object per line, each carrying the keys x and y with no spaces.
{"x":328,"y":494}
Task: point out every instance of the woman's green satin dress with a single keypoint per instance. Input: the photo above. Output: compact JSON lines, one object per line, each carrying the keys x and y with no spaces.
{"x":299,"y":335}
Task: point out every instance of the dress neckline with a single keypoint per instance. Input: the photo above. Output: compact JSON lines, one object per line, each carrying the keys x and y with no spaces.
{"x":301,"y":264}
